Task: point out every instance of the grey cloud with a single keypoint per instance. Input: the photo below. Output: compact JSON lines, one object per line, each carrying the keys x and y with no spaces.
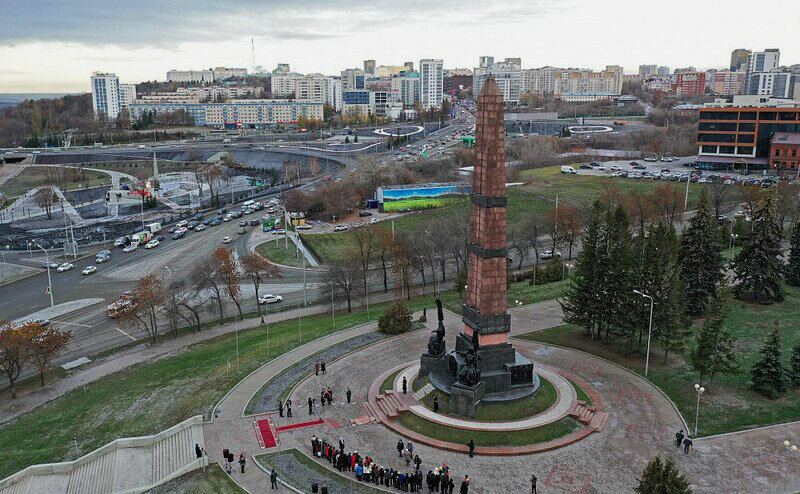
{"x":161,"y":23}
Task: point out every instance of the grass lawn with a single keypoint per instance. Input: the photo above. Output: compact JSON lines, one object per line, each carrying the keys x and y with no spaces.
{"x":420,"y":203}
{"x":276,"y":251}
{"x":312,"y":471}
{"x":35,"y":176}
{"x":582,"y":395}
{"x":213,"y":481}
{"x":148,"y":398}
{"x":729,"y":254}
{"x":496,"y":412}
{"x":388,"y":383}
{"x":729,"y":403}
{"x":537,"y":435}
{"x":520,"y":290}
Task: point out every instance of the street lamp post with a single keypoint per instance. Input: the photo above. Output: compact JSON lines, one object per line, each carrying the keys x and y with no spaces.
{"x":734,"y":237}
{"x":792,"y":449}
{"x":649,"y":331}
{"x":700,"y":390}
{"x":47,"y":261}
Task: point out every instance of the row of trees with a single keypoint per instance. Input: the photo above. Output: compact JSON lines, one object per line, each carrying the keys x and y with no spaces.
{"x":31,"y":342}
{"x":211,"y":283}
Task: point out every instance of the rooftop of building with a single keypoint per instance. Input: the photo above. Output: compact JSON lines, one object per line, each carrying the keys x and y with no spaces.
{"x":786,"y":138}
{"x":753,"y":101}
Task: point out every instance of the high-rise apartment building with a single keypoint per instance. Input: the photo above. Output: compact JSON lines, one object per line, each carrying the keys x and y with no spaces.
{"x":369,"y":67}
{"x":540,"y":81}
{"x":485,"y":62}
{"x":662,"y":70}
{"x":127,"y":95}
{"x":690,"y":83}
{"x":409,"y":66}
{"x":739,"y":58}
{"x":508,"y":77}
{"x":309,"y":87}
{"x":514,"y":61}
{"x":775,"y":83}
{"x":727,"y":83}
{"x":646,"y":70}
{"x":407,"y":86}
{"x":105,"y":95}
{"x":431,"y":78}
{"x":760,"y":61}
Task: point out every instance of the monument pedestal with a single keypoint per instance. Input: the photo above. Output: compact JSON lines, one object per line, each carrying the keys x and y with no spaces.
{"x":464,"y":400}
{"x":433,"y":364}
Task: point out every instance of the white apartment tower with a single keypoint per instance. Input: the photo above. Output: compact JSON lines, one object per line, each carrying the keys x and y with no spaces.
{"x":105,"y":95}
{"x":431,"y":82}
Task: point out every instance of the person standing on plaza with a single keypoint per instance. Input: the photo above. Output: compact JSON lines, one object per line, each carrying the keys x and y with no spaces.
{"x":322,"y":397}
{"x":288,"y":408}
{"x":310,"y":406}
{"x":405,"y":385}
{"x":471,"y":447}
{"x":349,"y":393}
{"x":341,"y":443}
{"x":322,"y":366}
{"x":533,"y":484}
{"x":280,"y":408}
{"x":316,"y":368}
{"x":273,"y":478}
{"x":400,"y":448}
{"x":465,"y":485}
{"x":435,"y":404}
{"x":687,"y":444}
{"x":242,"y":461}
{"x":330,"y":396}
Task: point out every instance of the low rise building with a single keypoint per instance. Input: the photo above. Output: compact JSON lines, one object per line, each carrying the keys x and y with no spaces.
{"x":191,"y":76}
{"x":784,"y":151}
{"x":690,"y":83}
{"x":587,"y":97}
{"x":237,"y":113}
{"x":222,"y":73}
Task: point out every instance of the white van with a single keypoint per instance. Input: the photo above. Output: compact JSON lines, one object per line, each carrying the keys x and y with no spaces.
{"x":247,"y":204}
{"x":568,"y":169}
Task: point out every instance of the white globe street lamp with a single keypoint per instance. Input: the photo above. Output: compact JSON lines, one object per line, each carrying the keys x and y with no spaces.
{"x":700,"y":390}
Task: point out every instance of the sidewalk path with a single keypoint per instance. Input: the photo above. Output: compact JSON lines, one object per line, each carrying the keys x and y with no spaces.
{"x":60,"y":309}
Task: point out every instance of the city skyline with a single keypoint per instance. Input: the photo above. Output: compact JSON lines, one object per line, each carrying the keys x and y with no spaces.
{"x":46,"y":49}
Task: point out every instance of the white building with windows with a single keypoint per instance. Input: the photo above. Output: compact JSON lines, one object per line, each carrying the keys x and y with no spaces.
{"x":127,"y":95}
{"x":508,"y":76}
{"x":191,"y":76}
{"x":106,"y":95}
{"x":222,"y":73}
{"x":431,"y":80}
{"x":407,"y":87}
{"x":240,"y":113}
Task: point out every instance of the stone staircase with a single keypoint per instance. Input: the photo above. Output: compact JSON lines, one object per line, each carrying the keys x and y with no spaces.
{"x":423,"y":391}
{"x":127,"y":465}
{"x":588,"y":415}
{"x":387,"y":405}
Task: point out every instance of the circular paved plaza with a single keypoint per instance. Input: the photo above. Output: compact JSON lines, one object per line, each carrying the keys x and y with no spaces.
{"x":641,"y":423}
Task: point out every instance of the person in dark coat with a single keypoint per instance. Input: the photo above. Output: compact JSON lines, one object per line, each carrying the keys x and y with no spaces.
{"x":471,"y":447}
{"x":310,"y":406}
{"x":465,"y":485}
{"x":322,"y":397}
{"x":288,"y":408}
{"x":687,"y":444}
{"x":435,"y":404}
{"x":322,"y":367}
{"x":348,"y":395}
{"x":198,"y":451}
{"x":400,"y":448}
{"x":679,"y":439}
{"x":242,"y":461}
{"x":280,"y":408}
{"x":533,"y":484}
{"x":316,"y":368}
{"x":452,"y":486}
{"x":273,"y":478}
{"x":405,"y":385}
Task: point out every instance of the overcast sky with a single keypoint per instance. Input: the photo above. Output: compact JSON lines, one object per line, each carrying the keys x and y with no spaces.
{"x":53,"y":46}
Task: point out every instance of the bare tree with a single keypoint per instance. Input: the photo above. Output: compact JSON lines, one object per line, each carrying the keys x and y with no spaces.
{"x":150,"y":299}
{"x":342,"y":277}
{"x":45,"y":198}
{"x":721,"y":196}
{"x":362,"y":244}
{"x":259,"y":269}
{"x":204,"y":278}
{"x":228,"y":273}
{"x":183,"y":302}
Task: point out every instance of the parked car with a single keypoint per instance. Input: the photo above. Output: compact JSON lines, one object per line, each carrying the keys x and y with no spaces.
{"x":65,"y":267}
{"x":364,"y":213}
{"x":304,"y":227}
{"x":89,"y":270}
{"x":651,"y":159}
{"x":269,"y":299}
{"x":569,"y":170}
{"x":585,"y":167}
{"x":340,"y":228}
{"x":226,"y":240}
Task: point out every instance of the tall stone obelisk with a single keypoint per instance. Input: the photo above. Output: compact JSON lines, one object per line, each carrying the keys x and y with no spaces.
{"x":485,"y":310}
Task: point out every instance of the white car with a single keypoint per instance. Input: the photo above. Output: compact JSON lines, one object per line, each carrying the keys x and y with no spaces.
{"x":269,"y":299}
{"x":151,"y":244}
{"x":227,"y":240}
{"x":89,"y":270}
{"x":304,"y":227}
{"x":549,"y":254}
{"x":102,"y":259}
{"x":130,"y":248}
{"x":119,"y":242}
{"x":200,"y":228}
{"x":65,"y":267}
{"x":279,"y":231}
{"x":374,"y":221}
{"x":340,"y":228}
{"x":616,"y":167}
{"x":141,"y":146}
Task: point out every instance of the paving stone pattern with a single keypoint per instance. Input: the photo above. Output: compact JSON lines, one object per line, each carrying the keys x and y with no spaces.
{"x":267,"y":398}
{"x":301,"y":476}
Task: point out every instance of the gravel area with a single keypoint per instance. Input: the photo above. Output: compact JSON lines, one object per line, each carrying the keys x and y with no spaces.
{"x":267,"y":397}
{"x":300,"y":474}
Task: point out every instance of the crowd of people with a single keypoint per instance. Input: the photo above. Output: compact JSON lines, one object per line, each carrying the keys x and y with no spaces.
{"x":366,"y":469}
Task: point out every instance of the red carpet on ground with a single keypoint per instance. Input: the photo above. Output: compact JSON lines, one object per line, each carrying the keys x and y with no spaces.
{"x":266,"y":434}
{"x":300,"y":425}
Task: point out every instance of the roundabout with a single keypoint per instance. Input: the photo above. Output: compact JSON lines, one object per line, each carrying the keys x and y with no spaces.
{"x":401,"y":131}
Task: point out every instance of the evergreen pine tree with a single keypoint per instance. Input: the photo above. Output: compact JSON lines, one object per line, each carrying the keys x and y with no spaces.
{"x":758,"y":267}
{"x":671,"y":325}
{"x":581,"y":303}
{"x":662,"y":477}
{"x":714,"y":346}
{"x":700,"y":257}
{"x":794,"y":368}
{"x":793,"y":268}
{"x":619,"y":304}
{"x":769,"y":375}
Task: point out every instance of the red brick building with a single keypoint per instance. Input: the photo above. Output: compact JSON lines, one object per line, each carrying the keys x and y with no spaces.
{"x":690,"y":83}
{"x":784,"y":151}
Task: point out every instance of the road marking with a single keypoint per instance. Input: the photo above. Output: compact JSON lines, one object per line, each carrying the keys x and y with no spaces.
{"x":126,"y":334}
{"x":73,"y":324}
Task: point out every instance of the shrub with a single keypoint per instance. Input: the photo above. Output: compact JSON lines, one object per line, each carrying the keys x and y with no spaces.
{"x":396,"y":319}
